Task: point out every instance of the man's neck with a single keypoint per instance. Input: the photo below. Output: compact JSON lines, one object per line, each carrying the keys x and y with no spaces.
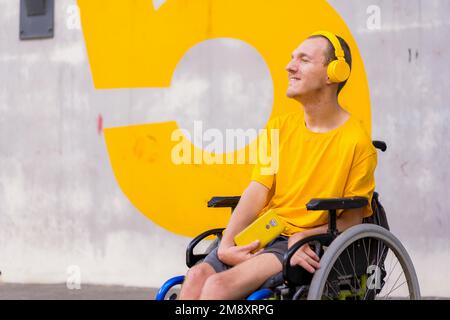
{"x":323,"y":112}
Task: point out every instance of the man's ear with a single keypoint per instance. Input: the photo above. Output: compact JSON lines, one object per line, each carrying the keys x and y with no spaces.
{"x":328,"y":81}
{"x":331,"y":83}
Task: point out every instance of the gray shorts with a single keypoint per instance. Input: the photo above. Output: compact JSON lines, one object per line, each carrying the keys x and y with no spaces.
{"x":278,"y":247}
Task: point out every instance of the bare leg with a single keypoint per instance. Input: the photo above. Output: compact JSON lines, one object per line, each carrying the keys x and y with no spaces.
{"x":241,"y":280}
{"x":194,"y":281}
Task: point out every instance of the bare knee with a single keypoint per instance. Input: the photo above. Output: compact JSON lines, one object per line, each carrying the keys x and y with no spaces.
{"x":216,"y":281}
{"x":215,"y":286}
{"x":199,"y":273}
{"x":195,"y":278}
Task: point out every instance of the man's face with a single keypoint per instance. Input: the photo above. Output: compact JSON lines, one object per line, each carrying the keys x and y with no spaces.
{"x":307,"y":72}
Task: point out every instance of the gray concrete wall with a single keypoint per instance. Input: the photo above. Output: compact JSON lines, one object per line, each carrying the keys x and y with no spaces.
{"x":60,"y":205}
{"x":406,"y":62}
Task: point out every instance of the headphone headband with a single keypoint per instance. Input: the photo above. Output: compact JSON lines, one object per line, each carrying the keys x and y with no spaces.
{"x":338,"y":70}
{"x":338,"y":51}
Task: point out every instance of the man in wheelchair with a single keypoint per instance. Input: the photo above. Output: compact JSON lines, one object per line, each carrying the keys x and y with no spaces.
{"x":323,"y":152}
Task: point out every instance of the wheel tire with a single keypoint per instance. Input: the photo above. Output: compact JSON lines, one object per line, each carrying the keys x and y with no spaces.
{"x":345,"y":240}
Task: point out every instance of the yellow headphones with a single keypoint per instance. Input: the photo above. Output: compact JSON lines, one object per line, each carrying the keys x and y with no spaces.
{"x":338,"y":70}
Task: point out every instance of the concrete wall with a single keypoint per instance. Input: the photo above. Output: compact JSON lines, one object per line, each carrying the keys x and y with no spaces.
{"x":406,"y":62}
{"x":60,"y":205}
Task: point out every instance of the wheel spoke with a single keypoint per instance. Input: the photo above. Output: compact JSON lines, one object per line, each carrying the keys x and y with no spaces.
{"x":339,"y":274}
{"x":398,"y":286}
{"x":389,"y":275}
{"x":346,"y":276}
{"x":353,"y":264}
{"x":328,"y":284}
{"x":394,"y":284}
{"x":365,"y":251}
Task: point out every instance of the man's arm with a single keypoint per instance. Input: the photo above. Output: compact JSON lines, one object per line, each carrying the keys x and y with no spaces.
{"x":304,"y":256}
{"x":347,"y":219}
{"x":252,"y":201}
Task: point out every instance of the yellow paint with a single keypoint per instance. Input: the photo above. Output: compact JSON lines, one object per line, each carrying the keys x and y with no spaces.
{"x":131,"y":45}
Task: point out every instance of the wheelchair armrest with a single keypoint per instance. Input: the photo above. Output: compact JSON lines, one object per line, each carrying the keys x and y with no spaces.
{"x":336,"y":203}
{"x":224,"y":202}
{"x":333,"y":204}
{"x":191,"y":258}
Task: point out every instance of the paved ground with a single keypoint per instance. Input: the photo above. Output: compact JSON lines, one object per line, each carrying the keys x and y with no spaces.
{"x":10,"y":291}
{"x":60,"y":292}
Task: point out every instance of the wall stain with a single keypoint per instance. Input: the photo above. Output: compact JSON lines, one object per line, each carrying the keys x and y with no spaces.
{"x":99,"y":124}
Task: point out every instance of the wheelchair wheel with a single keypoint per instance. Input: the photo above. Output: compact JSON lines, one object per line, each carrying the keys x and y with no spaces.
{"x":365,"y":262}
{"x":170,"y":290}
{"x":173,"y":293}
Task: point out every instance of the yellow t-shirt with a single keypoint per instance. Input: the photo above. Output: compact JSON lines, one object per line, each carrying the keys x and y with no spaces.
{"x":337,"y":163}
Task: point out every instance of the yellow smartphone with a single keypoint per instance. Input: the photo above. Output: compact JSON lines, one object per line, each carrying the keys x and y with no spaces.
{"x":265,"y":229}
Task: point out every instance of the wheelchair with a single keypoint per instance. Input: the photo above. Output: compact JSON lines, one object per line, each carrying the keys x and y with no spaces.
{"x":365,"y":262}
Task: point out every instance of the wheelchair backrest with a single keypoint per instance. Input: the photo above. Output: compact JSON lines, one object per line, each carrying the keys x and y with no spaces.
{"x":379,"y":214}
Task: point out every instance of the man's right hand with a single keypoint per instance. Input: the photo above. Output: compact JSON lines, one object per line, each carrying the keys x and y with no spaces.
{"x":234,"y":255}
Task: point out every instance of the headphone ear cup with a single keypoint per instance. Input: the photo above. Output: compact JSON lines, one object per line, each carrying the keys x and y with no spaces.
{"x":338,"y":71}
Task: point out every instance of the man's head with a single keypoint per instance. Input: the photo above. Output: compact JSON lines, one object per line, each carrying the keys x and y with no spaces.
{"x":308,"y":67}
